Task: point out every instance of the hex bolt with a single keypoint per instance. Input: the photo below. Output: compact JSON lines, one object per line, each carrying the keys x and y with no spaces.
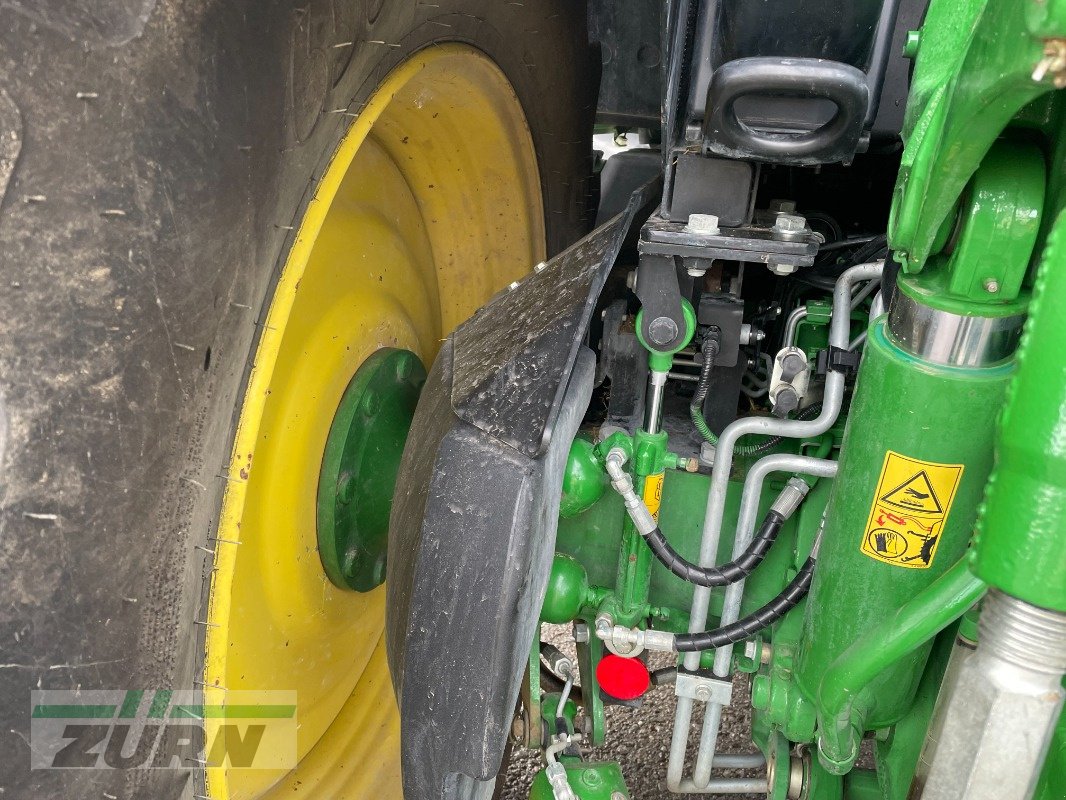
{"x":703,"y":224}
{"x":662,"y":330}
{"x":991,"y":285}
{"x":581,"y":632}
{"x":781,"y":269}
{"x":618,"y":796}
{"x":703,"y":693}
{"x":790,"y":223}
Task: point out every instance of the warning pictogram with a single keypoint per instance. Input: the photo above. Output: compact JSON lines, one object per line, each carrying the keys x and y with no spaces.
{"x":909,"y":510}
{"x":914,"y":494}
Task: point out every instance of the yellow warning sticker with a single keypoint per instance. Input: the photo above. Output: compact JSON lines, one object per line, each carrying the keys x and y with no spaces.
{"x":653,"y":493}
{"x":909,"y":510}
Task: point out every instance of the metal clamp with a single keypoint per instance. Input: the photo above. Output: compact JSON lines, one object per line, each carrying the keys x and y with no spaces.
{"x":706,"y":690}
{"x":838,"y":359}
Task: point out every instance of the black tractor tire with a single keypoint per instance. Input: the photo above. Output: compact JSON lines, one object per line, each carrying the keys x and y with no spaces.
{"x":154,"y":157}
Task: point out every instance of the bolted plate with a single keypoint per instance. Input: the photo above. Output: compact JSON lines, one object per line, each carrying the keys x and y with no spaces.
{"x":359,"y":467}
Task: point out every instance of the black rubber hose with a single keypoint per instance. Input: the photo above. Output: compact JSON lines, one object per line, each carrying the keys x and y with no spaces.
{"x":737,"y":569}
{"x":748,"y":626}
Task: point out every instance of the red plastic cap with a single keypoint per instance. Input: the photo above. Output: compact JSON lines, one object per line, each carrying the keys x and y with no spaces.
{"x":622,"y":678}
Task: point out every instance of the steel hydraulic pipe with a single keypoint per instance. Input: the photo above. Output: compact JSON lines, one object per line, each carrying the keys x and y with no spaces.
{"x":792,"y":325}
{"x":911,"y":626}
{"x":725,"y":786}
{"x":734,"y":593}
{"x":839,"y":335}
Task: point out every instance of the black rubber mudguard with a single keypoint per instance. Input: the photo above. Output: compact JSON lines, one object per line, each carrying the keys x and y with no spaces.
{"x":475,"y":514}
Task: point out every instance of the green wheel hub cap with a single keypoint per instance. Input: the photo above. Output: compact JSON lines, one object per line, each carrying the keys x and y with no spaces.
{"x":359,"y":467}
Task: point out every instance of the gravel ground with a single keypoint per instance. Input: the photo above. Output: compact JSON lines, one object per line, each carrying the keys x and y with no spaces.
{"x":640,"y":739}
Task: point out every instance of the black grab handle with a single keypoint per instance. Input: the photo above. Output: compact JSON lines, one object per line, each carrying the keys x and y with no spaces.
{"x":835,"y":140}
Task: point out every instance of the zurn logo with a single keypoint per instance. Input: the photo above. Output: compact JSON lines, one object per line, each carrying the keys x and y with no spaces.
{"x":162,"y":729}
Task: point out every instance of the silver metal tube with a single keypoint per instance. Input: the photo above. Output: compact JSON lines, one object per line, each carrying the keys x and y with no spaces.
{"x":839,"y":330}
{"x":865,"y":292}
{"x":560,"y":710}
{"x":877,"y":307}
{"x":653,"y":405}
{"x":740,"y":760}
{"x":734,"y":593}
{"x":858,"y":340}
{"x":797,"y":315}
{"x":725,"y":786}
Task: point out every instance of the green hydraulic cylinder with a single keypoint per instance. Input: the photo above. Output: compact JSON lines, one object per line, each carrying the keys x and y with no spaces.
{"x":915,"y":457}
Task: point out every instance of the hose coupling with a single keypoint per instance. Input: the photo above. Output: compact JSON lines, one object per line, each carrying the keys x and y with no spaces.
{"x":623,"y":484}
{"x":790,"y":497}
{"x":631,"y":642}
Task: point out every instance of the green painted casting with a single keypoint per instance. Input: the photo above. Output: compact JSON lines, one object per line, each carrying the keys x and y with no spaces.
{"x":852,"y":681}
{"x":584,"y":480}
{"x":359,"y":465}
{"x":984,"y":267}
{"x":921,"y":411}
{"x":1021,"y":546}
{"x":590,"y":781}
{"x":973,"y":74}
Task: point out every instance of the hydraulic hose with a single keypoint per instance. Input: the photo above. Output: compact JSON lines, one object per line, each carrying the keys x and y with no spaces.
{"x":839,"y":330}
{"x":745,"y":627}
{"x":695,"y":409}
{"x":737,"y":569}
{"x":784,"y":506}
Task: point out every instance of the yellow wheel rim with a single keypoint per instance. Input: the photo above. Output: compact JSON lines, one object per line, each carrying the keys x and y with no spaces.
{"x":430,"y":204}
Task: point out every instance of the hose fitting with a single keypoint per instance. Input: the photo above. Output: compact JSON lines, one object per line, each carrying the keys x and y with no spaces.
{"x":623,"y":484}
{"x":790,"y":498}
